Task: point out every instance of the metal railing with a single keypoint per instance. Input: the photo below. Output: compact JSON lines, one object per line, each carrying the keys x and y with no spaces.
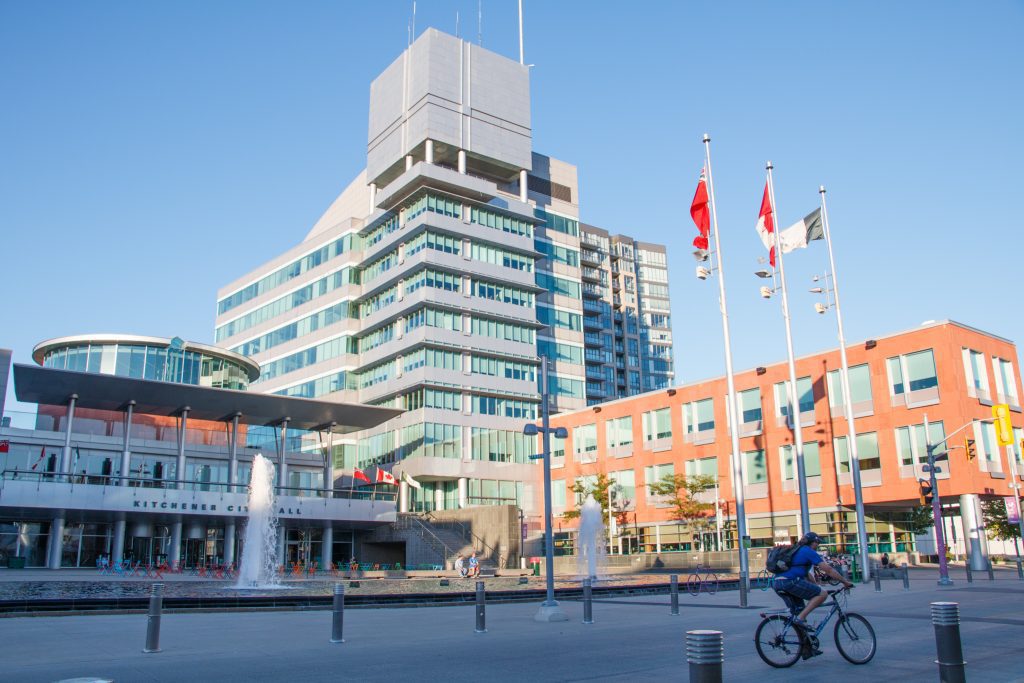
{"x":413,"y":522}
{"x":479,"y":544}
{"x":112,"y":480}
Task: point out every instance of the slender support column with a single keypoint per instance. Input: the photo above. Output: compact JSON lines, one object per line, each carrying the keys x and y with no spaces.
{"x":329,"y":461}
{"x":438,"y":496}
{"x":373,"y":197}
{"x":117,"y":551}
{"x":233,"y":454}
{"x":463,"y":492}
{"x":327,"y":556}
{"x":523,"y":185}
{"x":462,"y":161}
{"x":282,"y":457}
{"x":126,"y":445}
{"x":403,"y":497}
{"x":179,"y":473}
{"x":174,"y":552}
{"x":65,"y":454}
{"x":229,"y":542}
{"x":282,"y":537}
{"x":56,"y":546}
{"x":428,"y":151}
{"x":408,"y":161}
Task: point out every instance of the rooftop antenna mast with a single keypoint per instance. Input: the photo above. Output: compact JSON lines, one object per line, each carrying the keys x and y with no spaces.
{"x":521,"y":32}
{"x":480,"y":22}
{"x":413,"y":22}
{"x":457,"y":24}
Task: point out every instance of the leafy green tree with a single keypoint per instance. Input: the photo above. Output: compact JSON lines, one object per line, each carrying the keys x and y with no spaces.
{"x":996,"y":524}
{"x":602,"y":490}
{"x":681,"y":491}
{"x":921,"y":519}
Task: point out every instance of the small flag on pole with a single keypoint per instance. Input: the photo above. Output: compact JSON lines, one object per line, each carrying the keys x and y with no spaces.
{"x":42,"y":454}
{"x":766,"y":226}
{"x":384,"y":477}
{"x":5,"y":446}
{"x":800,"y":233}
{"x":700,"y":213}
{"x":360,"y":475}
{"x":410,"y":481}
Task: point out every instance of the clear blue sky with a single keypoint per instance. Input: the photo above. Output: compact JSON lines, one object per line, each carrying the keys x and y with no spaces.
{"x":152,"y":152}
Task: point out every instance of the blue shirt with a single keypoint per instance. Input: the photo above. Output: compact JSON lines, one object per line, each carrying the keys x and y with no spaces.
{"x":801,"y":564}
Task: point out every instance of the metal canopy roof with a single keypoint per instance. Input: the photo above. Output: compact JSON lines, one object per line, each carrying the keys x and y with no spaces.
{"x":50,"y":386}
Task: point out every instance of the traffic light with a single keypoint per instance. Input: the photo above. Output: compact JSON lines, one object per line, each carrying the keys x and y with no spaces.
{"x":1004,"y":429}
{"x":926,"y":492}
{"x":972,"y":452}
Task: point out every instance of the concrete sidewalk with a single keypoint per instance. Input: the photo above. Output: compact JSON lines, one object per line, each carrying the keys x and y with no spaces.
{"x":632,"y":639}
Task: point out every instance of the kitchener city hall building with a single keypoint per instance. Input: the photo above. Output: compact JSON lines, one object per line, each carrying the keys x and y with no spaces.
{"x":948,"y":371}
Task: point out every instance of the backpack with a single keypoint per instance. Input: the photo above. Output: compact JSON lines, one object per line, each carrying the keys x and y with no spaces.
{"x":780,"y":558}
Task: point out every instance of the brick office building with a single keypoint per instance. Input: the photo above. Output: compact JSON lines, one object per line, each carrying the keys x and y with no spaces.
{"x":948,"y":371}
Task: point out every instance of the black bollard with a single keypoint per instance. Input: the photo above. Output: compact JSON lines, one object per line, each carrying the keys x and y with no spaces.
{"x":878,"y":581}
{"x":481,"y":618}
{"x":991,"y":572}
{"x":946,"y":620}
{"x":705,"y":655}
{"x":906,"y":577}
{"x":338,"y":616}
{"x":970,"y":574}
{"x":1020,"y":571}
{"x":156,"y":606}
{"x":588,"y":602}
{"x":674,"y":592}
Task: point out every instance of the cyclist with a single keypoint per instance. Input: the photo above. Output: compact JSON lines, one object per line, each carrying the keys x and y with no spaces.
{"x":796,"y":583}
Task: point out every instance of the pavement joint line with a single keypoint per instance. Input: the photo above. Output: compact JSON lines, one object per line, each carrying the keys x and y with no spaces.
{"x":927,"y":617}
{"x":665,"y":604}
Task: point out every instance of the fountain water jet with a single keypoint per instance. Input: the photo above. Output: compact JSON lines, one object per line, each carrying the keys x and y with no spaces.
{"x":259,"y":553}
{"x":590,"y":555}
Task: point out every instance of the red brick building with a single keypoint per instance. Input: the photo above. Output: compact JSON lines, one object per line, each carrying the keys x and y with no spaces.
{"x":948,"y":371}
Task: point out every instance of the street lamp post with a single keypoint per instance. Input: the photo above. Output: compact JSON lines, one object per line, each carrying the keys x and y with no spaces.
{"x":549,"y":609}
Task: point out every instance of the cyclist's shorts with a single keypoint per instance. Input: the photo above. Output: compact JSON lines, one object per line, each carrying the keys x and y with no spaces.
{"x":800,"y":588}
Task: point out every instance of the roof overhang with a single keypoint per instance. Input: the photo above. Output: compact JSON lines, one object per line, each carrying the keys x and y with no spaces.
{"x":50,"y":386}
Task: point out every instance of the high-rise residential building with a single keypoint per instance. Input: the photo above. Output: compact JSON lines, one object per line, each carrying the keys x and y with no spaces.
{"x":439,"y":277}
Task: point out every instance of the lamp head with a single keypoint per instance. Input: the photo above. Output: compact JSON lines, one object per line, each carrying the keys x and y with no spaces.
{"x":530,"y":429}
{"x":763,"y":273}
{"x":561,"y":433}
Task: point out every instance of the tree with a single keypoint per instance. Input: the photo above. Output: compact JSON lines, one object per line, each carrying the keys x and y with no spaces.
{"x":996,"y":524}
{"x":602,"y":491}
{"x":921,"y":519}
{"x":681,"y":492}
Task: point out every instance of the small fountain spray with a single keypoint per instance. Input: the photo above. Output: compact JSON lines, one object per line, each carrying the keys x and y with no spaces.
{"x":259,"y":552}
{"x":590,"y":556}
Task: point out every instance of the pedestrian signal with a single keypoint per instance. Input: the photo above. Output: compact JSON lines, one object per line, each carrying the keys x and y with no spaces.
{"x":972,"y":452}
{"x":926,"y":492}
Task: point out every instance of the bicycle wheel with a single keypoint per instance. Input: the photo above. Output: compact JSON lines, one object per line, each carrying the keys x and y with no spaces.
{"x":711,"y":583}
{"x":777,"y":642}
{"x":855,"y":638}
{"x":693,"y":585}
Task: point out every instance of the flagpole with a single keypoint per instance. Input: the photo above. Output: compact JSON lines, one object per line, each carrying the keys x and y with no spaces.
{"x":731,"y":409}
{"x":794,"y":406}
{"x":858,"y":493}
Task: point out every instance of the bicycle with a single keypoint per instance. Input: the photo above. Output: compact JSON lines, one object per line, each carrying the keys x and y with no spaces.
{"x":780,"y":642}
{"x":822,"y":578}
{"x":765,"y":579}
{"x":709,"y":582}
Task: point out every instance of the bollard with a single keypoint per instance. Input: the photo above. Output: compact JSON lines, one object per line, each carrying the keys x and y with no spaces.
{"x":970,"y":574}
{"x":674,"y":591}
{"x":878,"y":581}
{"x":946,"y":620}
{"x":588,"y":601}
{"x":991,"y":572}
{"x":338,"y":617}
{"x":523,"y":580}
{"x":906,"y":577}
{"x":1020,"y":571}
{"x":481,"y":619}
{"x":705,"y":655}
{"x":156,"y":605}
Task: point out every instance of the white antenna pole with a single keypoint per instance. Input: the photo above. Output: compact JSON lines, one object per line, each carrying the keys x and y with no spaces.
{"x":858,"y":493}
{"x":731,"y":408}
{"x":414,"y":19}
{"x":457,"y":24}
{"x":794,"y":405}
{"x":480,"y":22}
{"x":521,"y":32}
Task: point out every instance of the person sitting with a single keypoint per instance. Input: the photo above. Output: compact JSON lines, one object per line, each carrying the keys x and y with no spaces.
{"x":474,"y":565}
{"x":885,"y":560}
{"x":794,"y":586}
{"x":460,"y":566}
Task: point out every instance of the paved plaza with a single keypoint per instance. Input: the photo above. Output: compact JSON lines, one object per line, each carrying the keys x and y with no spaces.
{"x":631,"y":639}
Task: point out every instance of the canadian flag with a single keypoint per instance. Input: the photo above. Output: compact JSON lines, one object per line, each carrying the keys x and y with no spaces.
{"x":700,"y":214}
{"x":385,"y":477}
{"x":359,"y":474}
{"x":766,"y":226}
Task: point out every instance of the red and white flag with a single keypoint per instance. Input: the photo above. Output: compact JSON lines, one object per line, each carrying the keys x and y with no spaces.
{"x":360,"y":475}
{"x":5,"y":446}
{"x":42,"y":454}
{"x":700,"y":213}
{"x":766,"y":226}
{"x":385,"y":477}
